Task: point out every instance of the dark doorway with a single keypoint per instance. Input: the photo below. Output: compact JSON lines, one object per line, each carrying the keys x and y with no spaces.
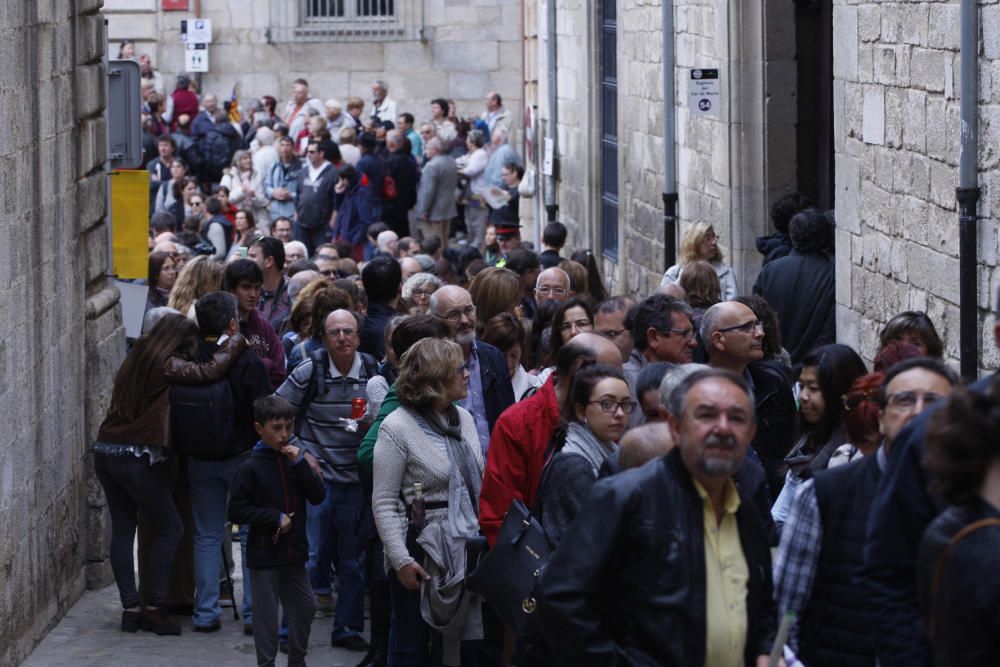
{"x":814,"y":132}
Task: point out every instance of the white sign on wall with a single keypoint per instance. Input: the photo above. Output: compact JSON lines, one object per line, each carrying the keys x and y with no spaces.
{"x":196,"y":57}
{"x":196,"y":31}
{"x":704,"y":92}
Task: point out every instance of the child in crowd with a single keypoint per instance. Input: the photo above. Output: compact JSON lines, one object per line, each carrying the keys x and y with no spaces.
{"x":269,"y":495}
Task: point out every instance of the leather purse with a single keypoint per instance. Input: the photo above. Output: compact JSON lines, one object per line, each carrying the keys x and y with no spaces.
{"x":506,"y":575}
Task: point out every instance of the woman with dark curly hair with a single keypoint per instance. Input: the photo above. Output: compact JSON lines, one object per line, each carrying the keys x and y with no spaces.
{"x":960,"y":551}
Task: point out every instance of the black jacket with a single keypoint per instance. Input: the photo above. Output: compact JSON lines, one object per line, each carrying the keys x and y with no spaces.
{"x":248,"y":380}
{"x":801,"y":289}
{"x":773,"y":247}
{"x":314,"y":206}
{"x":627,"y":585}
{"x":965,"y":604}
{"x":373,"y":330}
{"x":403,"y":169}
{"x":776,"y":416}
{"x":267,"y":486}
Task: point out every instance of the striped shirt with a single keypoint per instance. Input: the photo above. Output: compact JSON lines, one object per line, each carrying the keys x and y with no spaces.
{"x":322,"y":432}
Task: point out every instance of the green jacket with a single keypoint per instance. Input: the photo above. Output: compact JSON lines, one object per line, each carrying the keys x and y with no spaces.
{"x":366,"y":450}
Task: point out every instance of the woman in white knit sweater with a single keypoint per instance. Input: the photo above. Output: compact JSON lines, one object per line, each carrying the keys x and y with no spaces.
{"x":432,"y":442}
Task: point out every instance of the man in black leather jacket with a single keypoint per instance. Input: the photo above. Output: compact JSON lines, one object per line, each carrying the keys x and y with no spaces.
{"x":632,"y":584}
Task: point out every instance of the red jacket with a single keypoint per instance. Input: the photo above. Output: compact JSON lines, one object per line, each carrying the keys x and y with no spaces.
{"x":517,"y":454}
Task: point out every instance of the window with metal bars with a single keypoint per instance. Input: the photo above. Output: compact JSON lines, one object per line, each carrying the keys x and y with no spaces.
{"x":328,"y":9}
{"x":609,"y":128}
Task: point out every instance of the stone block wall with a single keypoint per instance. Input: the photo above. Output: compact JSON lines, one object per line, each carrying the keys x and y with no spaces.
{"x":896,"y":95}
{"x":54,"y":247}
{"x":469,"y":49}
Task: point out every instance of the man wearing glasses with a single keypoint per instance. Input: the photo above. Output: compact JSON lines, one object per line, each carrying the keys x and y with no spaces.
{"x":490,"y":390}
{"x":733,"y":338}
{"x":552,"y":285}
{"x":612,"y":320}
{"x":817,"y":567}
{"x":662,"y":331}
{"x":323,"y":388}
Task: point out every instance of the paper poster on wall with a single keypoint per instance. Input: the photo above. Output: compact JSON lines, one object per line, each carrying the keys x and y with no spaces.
{"x":130,"y":222}
{"x":704,"y":92}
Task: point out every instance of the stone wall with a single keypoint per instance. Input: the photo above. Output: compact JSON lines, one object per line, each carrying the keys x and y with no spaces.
{"x":468,"y":49}
{"x":60,"y":332}
{"x":897,"y":143}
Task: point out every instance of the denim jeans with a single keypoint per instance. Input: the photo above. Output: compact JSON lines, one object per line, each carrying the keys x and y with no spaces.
{"x":210,"y":482}
{"x":333,"y":526}
{"x":132,"y":484}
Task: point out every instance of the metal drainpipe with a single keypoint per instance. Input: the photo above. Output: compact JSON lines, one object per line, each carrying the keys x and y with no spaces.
{"x":968,"y":191}
{"x":551,"y":205}
{"x":669,"y":141}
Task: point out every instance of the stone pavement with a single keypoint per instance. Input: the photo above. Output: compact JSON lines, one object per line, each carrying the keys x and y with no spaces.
{"x":89,"y":636}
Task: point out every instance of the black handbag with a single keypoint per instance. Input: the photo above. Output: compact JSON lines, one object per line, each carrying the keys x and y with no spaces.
{"x":505,"y":576}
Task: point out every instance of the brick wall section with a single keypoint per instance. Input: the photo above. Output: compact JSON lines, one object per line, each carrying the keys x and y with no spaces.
{"x":472,"y":47}
{"x":54,"y":249}
{"x":897,"y":142}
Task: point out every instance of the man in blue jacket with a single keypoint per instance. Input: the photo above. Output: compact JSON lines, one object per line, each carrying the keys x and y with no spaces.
{"x":490,"y":390}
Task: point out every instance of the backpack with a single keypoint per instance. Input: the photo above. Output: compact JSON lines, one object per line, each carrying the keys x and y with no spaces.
{"x":215,"y":154}
{"x":320,"y":373}
{"x":202,"y":420}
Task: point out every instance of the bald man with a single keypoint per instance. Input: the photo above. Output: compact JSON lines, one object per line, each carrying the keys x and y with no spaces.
{"x":552,"y":285}
{"x":672,"y":290}
{"x":734,"y":340}
{"x":522,"y":433}
{"x":643,"y":444}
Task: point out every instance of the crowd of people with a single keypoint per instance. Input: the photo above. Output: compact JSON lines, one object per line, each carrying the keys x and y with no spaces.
{"x":368,"y":393}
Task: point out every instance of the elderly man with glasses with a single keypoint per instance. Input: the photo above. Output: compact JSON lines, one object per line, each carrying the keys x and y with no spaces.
{"x":733,"y":338}
{"x":325,"y":388}
{"x":490,"y":390}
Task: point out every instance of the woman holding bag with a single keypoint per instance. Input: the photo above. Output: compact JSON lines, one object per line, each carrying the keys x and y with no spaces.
{"x":427,"y":472}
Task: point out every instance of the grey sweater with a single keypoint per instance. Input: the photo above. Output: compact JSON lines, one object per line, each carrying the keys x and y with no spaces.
{"x":405,"y":453}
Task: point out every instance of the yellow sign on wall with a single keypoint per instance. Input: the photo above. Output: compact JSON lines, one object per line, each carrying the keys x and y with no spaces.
{"x":130,"y":222}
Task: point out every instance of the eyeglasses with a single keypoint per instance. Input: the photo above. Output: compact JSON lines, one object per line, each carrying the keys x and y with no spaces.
{"x":581,"y":325}
{"x":456,"y":315}
{"x":336,"y":333}
{"x":329,"y":273}
{"x":746,"y":327}
{"x":196,"y":203}
{"x":545,"y":291}
{"x":906,"y":401}
{"x":330,"y":258}
{"x":608,"y":405}
{"x":852,"y":401}
{"x":687,"y":334}
{"x":422,"y":292}
{"x":613,"y":333}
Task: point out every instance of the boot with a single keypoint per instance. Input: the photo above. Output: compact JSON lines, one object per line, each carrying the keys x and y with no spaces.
{"x":159,"y":621}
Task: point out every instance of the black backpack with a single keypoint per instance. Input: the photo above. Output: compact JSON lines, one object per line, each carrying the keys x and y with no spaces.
{"x":202,"y":420}
{"x":216,"y":154}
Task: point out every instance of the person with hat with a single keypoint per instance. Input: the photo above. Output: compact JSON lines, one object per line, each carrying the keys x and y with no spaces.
{"x":508,"y":238}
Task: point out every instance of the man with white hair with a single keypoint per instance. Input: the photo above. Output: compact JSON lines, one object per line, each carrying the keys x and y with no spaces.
{"x":383,"y":107}
{"x":501,"y":155}
{"x":265,"y":154}
{"x":297,"y":109}
{"x":386,"y":242}
{"x":205,"y":120}
{"x":552,"y":285}
{"x":495,"y":114}
{"x":336,"y":119}
{"x":294,"y":251}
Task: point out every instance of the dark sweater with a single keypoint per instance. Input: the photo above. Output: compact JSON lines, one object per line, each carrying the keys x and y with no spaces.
{"x":565,"y":486}
{"x":267,"y":486}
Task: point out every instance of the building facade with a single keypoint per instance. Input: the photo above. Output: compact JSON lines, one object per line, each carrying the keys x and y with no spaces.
{"x":853,"y":104}
{"x":61,"y":338}
{"x":424,"y":49}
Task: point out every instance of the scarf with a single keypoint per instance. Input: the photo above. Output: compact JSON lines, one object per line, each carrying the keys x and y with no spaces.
{"x":581,"y":440}
{"x":464,"y":478}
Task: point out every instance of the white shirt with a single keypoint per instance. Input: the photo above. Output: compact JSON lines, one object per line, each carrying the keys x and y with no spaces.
{"x":314,"y":172}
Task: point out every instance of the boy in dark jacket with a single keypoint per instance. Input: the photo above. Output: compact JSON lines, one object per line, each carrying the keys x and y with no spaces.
{"x":269,"y":494}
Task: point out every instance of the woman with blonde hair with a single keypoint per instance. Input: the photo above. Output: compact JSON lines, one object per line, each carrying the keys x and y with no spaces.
{"x":246,"y":188}
{"x":700,"y":242}
{"x":199,"y":276}
{"x":428,"y":468}
{"x":578,"y":279}
{"x":494,"y":291}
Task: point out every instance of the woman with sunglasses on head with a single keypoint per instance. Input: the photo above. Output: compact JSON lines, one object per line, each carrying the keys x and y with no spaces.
{"x":827,"y":374}
{"x":595,"y":415}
